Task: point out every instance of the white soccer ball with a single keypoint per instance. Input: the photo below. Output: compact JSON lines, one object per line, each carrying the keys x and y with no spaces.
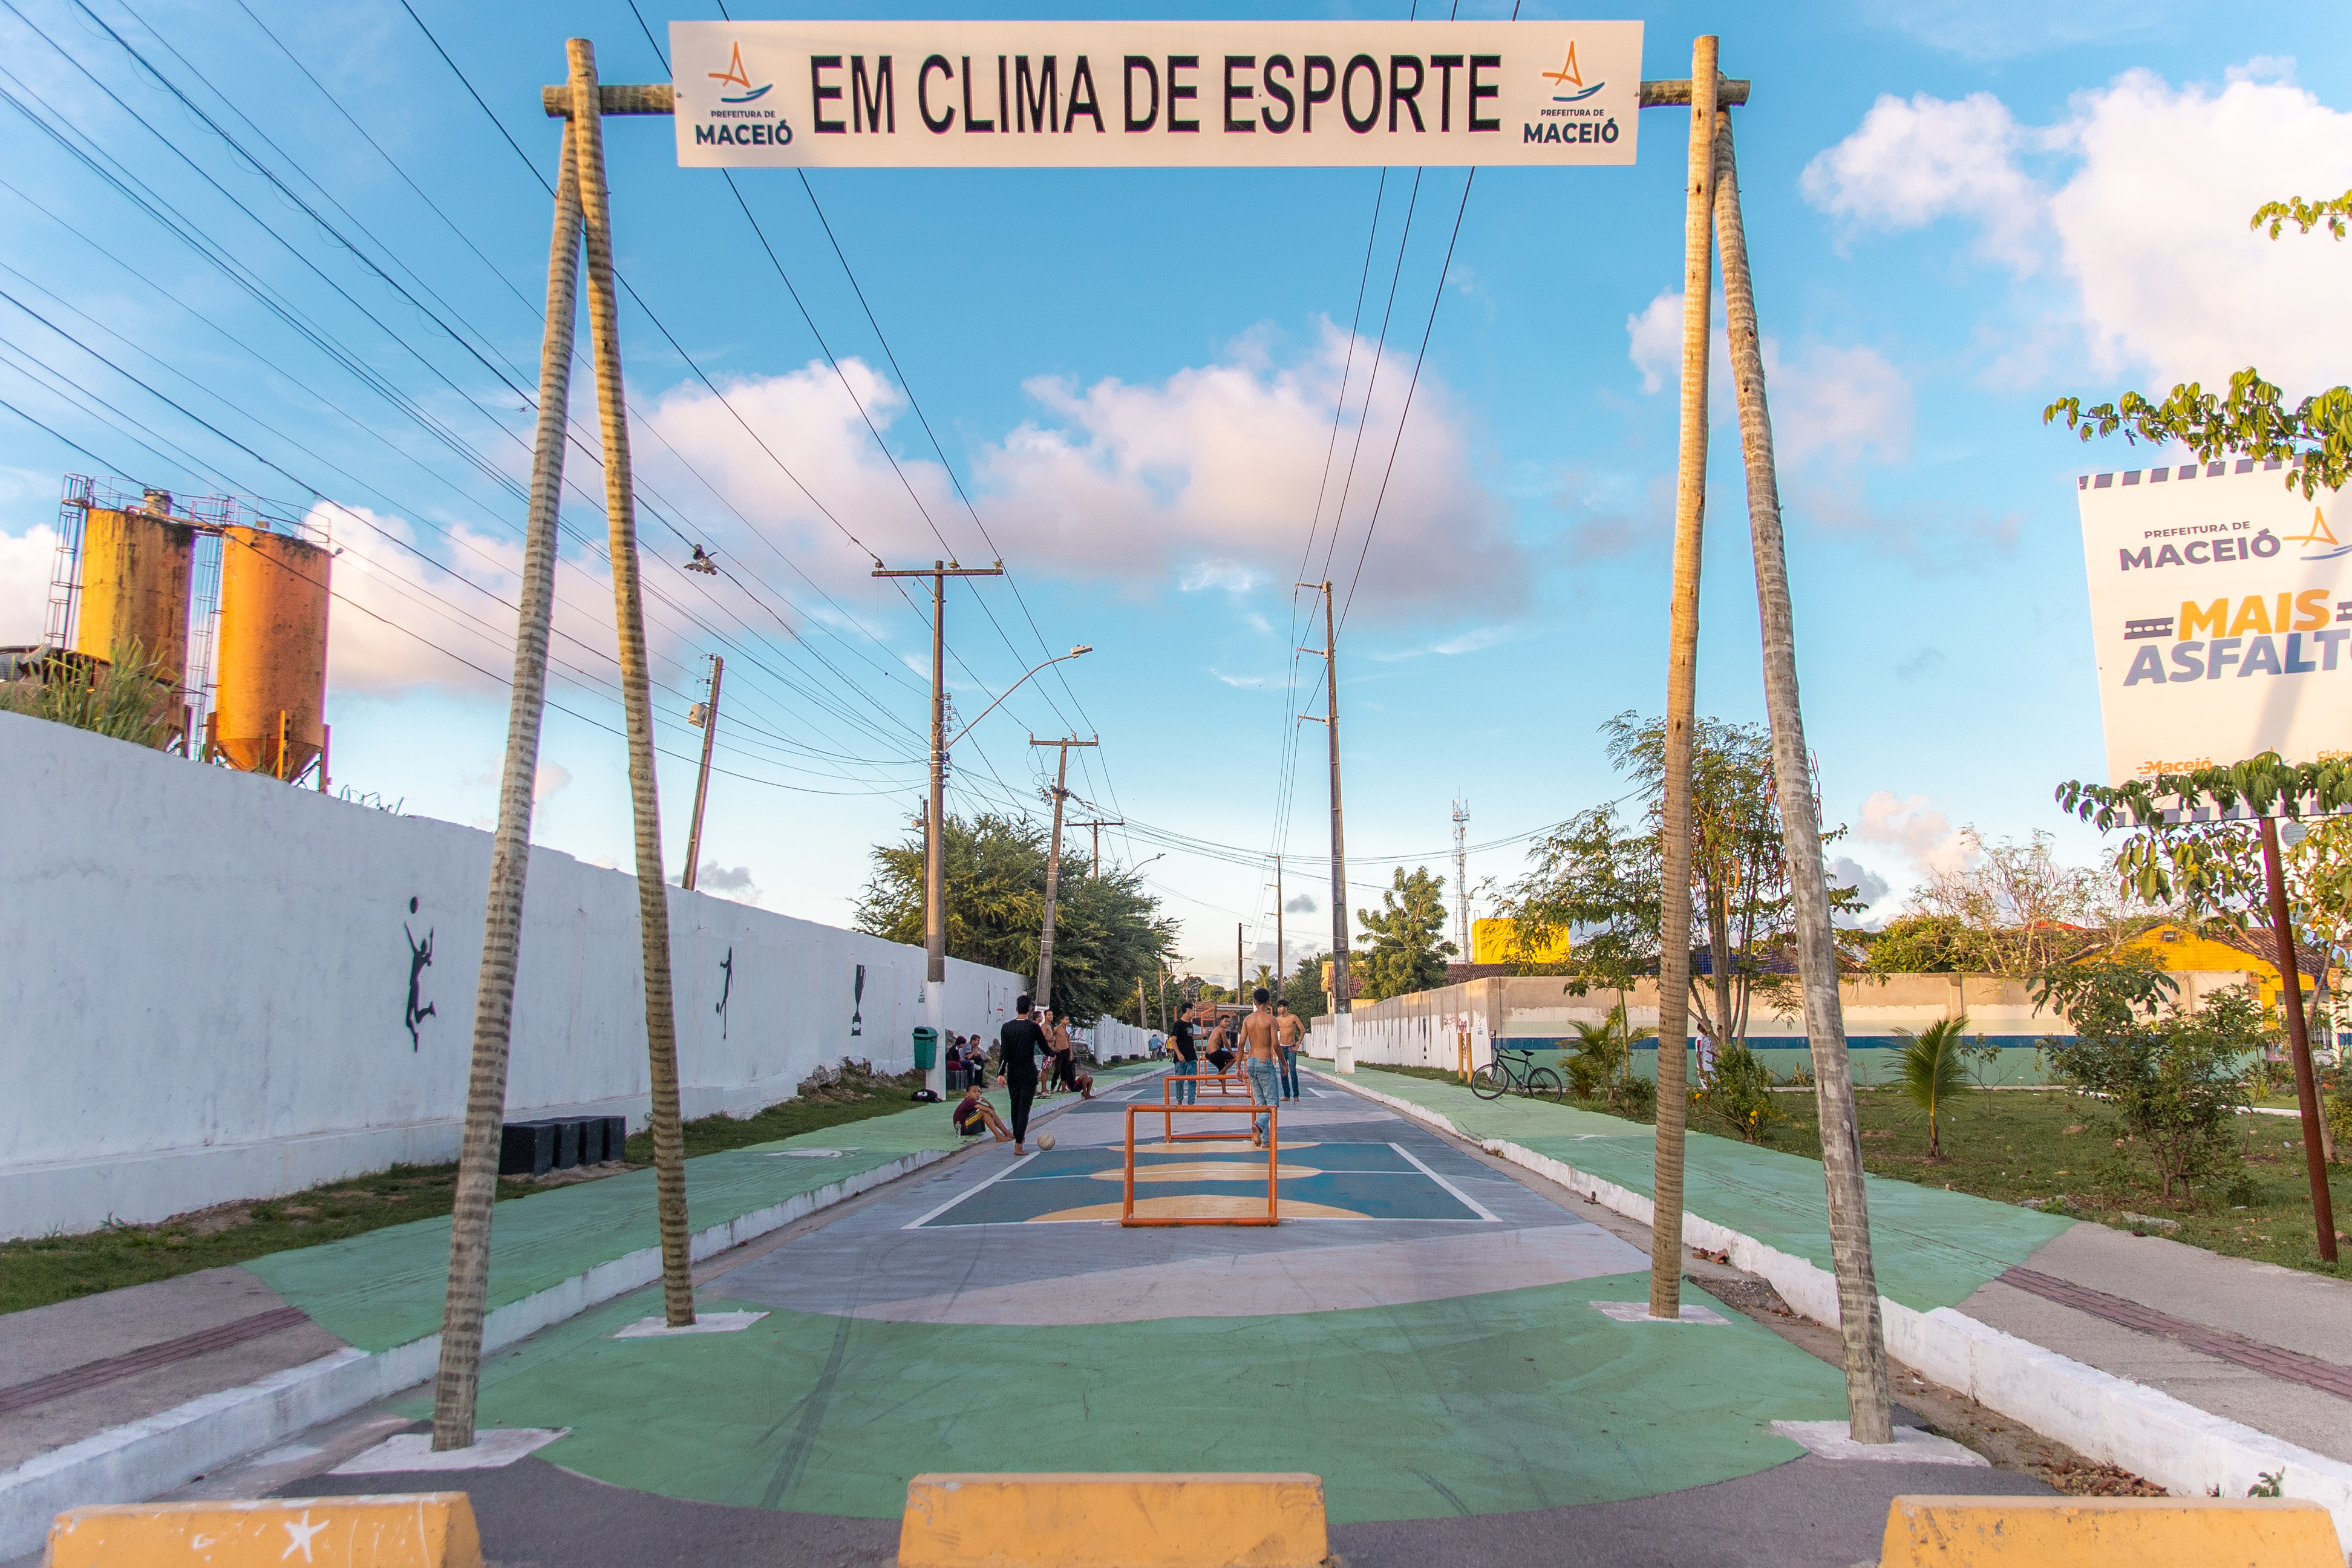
{"x":1045,"y":1139}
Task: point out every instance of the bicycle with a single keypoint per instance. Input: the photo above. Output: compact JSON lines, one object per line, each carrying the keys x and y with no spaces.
{"x":1514,"y":1069}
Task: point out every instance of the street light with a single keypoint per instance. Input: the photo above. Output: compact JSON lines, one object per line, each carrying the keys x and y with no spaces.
{"x":1074,"y":653}
{"x":935,"y":859}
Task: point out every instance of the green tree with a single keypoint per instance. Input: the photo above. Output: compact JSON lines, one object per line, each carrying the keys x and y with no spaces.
{"x":1595,"y":877}
{"x":2014,"y":913}
{"x":1108,"y":932}
{"x":1931,"y":1070}
{"x":1404,"y":946}
{"x":1304,"y":987}
{"x":2175,"y":1080}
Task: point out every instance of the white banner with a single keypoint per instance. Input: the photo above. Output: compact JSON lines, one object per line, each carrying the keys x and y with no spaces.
{"x":1118,"y":94}
{"x":2221,"y":608}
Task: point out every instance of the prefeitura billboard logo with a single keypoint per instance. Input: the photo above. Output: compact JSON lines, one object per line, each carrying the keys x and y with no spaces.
{"x":2221,"y":612}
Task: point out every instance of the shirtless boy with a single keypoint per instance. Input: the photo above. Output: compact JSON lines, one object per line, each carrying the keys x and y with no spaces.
{"x":1258,"y":1043}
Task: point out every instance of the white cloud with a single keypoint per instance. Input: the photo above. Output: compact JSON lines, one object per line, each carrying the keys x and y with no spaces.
{"x":2153,"y":229}
{"x":1301,"y":904}
{"x":1842,"y":403}
{"x":1923,"y":834}
{"x":1845,"y":871}
{"x":1656,"y":340}
{"x":1205,"y":479}
{"x":2148,"y":229}
{"x":2006,"y":29}
{"x":1910,"y":163}
{"x":25,"y":563}
{"x":550,"y":780}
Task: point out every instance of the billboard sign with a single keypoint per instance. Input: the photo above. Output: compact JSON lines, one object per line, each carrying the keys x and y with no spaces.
{"x":2221,"y":612}
{"x":979,"y":95}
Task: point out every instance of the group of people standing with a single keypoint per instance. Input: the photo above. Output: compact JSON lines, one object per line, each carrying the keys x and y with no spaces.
{"x":1268,"y":1037}
{"x":1265,"y":1040}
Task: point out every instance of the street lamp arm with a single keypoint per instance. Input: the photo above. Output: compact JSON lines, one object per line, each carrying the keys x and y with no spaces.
{"x":1074,"y":653}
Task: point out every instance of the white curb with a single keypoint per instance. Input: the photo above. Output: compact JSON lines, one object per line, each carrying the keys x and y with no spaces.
{"x":2186,"y":1450}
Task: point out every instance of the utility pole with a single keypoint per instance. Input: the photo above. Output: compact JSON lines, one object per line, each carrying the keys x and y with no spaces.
{"x":706,"y":714}
{"x":1329,"y":720}
{"x":457,"y":1383}
{"x":1241,"y":976}
{"x":1053,"y":869}
{"x":1281,"y":954}
{"x":1462,"y":878}
{"x":629,"y":618}
{"x":935,"y":850}
{"x":1098,"y":826}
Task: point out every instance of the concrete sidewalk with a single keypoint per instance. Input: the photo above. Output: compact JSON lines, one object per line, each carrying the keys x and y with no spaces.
{"x":2189,"y":1368}
{"x":122,"y":1396}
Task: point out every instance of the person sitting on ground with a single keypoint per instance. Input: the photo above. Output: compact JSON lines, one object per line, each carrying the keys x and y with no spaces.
{"x":974,"y":1116}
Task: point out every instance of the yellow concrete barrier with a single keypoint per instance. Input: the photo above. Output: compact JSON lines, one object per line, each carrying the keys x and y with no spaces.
{"x":419,"y":1530}
{"x":1180,"y":1520}
{"x":2108,"y":1533}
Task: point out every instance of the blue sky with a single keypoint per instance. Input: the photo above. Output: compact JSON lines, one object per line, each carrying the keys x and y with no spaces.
{"x":1956,"y":212}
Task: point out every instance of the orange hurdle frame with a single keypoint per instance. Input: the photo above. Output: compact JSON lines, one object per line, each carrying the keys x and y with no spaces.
{"x":1273,"y":1161}
{"x":1167,"y":1132}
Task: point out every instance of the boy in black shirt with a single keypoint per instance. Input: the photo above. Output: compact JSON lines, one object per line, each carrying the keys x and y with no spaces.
{"x":1020,"y":1040}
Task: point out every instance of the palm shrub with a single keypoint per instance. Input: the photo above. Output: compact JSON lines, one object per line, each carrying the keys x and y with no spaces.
{"x":1931,"y":1071}
{"x":1602,"y":1058}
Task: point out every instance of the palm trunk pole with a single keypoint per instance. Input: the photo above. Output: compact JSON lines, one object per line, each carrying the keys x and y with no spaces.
{"x":454,"y":1390}
{"x":1868,"y":1398}
{"x":629,"y":617}
{"x":1682,"y":697}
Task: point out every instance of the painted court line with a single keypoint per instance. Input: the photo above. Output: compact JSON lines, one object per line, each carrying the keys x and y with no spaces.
{"x":972,"y":1192}
{"x":1464,"y":1199}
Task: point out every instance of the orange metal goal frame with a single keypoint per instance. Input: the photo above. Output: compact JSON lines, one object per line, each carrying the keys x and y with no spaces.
{"x":1273,"y":1162}
{"x":1167,"y":1088}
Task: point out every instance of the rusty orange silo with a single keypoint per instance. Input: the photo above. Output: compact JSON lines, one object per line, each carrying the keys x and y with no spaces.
{"x":134,"y":587}
{"x":272,"y":679}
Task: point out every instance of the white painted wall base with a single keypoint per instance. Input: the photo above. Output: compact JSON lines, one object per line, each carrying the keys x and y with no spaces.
{"x":2144,"y":1430}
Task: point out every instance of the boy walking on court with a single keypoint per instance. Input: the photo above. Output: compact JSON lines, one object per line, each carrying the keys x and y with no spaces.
{"x":1289,"y":1032}
{"x":1264,"y":1079}
{"x":1020,"y":1040}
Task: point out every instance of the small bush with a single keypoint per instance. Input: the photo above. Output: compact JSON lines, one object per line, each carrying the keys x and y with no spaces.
{"x":1738,"y":1094}
{"x":1637,"y":1098}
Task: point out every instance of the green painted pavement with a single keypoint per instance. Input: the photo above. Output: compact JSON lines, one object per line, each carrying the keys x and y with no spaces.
{"x":1930,"y":1247}
{"x":388,"y":1287}
{"x":1490,"y":1404}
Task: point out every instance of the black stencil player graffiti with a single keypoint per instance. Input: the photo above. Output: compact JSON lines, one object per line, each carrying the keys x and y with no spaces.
{"x":420,"y":959}
{"x":857,"y":1006}
{"x":726,"y":987}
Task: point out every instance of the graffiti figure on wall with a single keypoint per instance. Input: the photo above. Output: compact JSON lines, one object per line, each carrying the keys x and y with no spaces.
{"x":857,"y":1006}
{"x":726,"y":988}
{"x":420,"y":959}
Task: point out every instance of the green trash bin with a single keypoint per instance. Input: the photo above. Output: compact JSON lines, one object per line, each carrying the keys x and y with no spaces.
{"x":927,"y":1048}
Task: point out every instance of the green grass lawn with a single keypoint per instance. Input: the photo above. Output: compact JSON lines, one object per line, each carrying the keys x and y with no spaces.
{"x":2015,"y":1145}
{"x":40,"y":1270}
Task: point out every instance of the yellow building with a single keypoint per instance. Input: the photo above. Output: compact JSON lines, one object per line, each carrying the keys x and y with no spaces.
{"x":1491,"y":941}
{"x":2252,"y":951}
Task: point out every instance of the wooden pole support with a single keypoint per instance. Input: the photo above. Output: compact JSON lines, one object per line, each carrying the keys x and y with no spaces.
{"x":652,"y":98}
{"x":1728,"y":91}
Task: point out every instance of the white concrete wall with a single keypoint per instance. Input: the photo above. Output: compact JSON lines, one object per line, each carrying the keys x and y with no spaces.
{"x":206,"y":979}
{"x":1110,"y":1038}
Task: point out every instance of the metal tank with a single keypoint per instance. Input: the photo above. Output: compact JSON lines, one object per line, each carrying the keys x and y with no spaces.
{"x":134,"y":586}
{"x":272,"y":671}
